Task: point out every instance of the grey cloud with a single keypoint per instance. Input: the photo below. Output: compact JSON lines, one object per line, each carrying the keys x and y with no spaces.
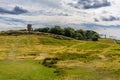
{"x":48,"y":13}
{"x":96,"y":20}
{"x":17,"y":10}
{"x":110,"y":18}
{"x":89,"y":4}
{"x":33,"y":3}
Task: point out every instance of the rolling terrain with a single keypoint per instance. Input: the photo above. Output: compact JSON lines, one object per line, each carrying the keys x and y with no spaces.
{"x":21,"y":58}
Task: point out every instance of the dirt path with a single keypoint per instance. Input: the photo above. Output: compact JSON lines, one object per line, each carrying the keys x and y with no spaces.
{"x":11,"y":53}
{"x":106,"y":50}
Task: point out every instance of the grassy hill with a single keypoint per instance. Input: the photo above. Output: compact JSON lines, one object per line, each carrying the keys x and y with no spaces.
{"x":21,"y":58}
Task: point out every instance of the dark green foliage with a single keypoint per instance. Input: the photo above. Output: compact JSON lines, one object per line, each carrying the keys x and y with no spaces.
{"x":89,"y":34}
{"x":14,"y":33}
{"x":70,"y":32}
{"x":117,"y":41}
{"x":57,"y":30}
{"x":78,"y":36}
{"x":95,"y":37}
{"x":62,"y":37}
{"x":46,"y":29}
{"x":49,"y":62}
{"x":80,"y":31}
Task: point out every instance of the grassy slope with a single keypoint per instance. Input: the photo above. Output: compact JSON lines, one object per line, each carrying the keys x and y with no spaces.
{"x":81,"y":60}
{"x":25,"y":70}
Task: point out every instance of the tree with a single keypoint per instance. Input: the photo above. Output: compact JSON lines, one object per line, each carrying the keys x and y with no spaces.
{"x":69,"y":32}
{"x":78,"y":36}
{"x":57,"y":30}
{"x":89,"y":34}
{"x":95,"y":37}
{"x":29,"y":28}
{"x":82,"y":32}
{"x":46,"y":29}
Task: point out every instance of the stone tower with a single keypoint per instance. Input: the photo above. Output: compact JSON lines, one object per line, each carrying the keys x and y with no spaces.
{"x":29,"y":28}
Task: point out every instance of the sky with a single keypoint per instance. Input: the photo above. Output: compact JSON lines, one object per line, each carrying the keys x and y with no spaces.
{"x":98,"y":15}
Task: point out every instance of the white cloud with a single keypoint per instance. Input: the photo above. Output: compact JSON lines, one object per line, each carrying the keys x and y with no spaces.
{"x":88,"y":4}
{"x":52,"y":12}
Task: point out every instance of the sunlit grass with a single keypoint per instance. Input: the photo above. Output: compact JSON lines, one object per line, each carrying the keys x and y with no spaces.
{"x":25,"y":70}
{"x":79,"y":60}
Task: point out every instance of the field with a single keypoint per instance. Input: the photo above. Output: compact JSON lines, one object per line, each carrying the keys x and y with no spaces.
{"x":21,"y":58}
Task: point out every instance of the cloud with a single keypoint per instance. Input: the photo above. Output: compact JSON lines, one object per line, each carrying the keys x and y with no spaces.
{"x":111,"y":31}
{"x":61,"y":12}
{"x":110,"y":18}
{"x":96,"y":20}
{"x":89,"y":4}
{"x":12,"y":20}
{"x":48,"y":13}
{"x":17,"y":10}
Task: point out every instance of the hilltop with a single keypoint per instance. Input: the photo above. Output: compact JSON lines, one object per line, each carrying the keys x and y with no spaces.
{"x":68,"y":59}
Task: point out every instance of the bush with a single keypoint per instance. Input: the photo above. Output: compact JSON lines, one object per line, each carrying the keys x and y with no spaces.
{"x":46,"y":29}
{"x":95,"y":37}
{"x":62,"y":37}
{"x":69,"y":32}
{"x":14,"y":32}
{"x":49,"y":62}
{"x":57,"y":30}
{"x":78,"y":36}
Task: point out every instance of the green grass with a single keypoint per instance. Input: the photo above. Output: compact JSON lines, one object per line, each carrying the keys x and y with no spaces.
{"x":25,"y":70}
{"x":57,"y":42}
{"x":117,"y":41}
{"x":83,"y":74}
{"x":79,"y":60}
{"x":92,"y":46}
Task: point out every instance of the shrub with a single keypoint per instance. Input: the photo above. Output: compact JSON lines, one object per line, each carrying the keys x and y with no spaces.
{"x":57,"y":30}
{"x":69,"y":32}
{"x":62,"y":37}
{"x":95,"y":37}
{"x":46,"y":29}
{"x":49,"y":62}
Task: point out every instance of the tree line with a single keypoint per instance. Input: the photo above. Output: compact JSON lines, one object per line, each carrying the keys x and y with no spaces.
{"x":70,"y":32}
